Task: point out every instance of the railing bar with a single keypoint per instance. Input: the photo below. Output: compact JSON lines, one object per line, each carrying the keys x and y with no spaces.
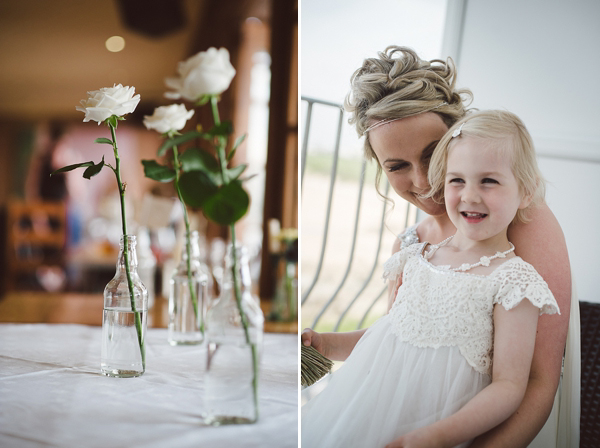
{"x":329,"y":201}
{"x":326,"y":103}
{"x":408,"y":204}
{"x":305,"y":141}
{"x":375,"y":261}
{"x":362,"y":321}
{"x":407,"y":222}
{"x":349,"y":266}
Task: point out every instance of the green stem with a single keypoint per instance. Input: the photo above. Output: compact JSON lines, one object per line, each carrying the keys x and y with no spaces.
{"x":222,"y":156}
{"x":244,"y":319}
{"x":138,"y":321}
{"x":290,"y":291}
{"x":188,"y":245}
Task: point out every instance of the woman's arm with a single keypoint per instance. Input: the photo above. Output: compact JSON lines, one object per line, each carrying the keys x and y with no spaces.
{"x":541,"y":243}
{"x":335,"y":346}
{"x":514,"y":340}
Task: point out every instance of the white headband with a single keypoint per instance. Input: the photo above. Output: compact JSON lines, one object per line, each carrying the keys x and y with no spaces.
{"x":389,"y":120}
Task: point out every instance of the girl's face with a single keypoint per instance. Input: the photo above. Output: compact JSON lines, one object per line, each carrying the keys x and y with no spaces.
{"x":403,"y":149}
{"x":481,"y":192}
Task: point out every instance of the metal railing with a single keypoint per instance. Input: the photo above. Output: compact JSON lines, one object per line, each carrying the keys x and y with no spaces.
{"x":310,"y":103}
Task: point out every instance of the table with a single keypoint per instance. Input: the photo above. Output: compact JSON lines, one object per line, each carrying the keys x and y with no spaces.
{"x":83,"y":308}
{"x":52,"y":393}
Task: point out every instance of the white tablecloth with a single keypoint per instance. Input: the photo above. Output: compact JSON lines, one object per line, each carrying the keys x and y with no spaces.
{"x":52,"y":393}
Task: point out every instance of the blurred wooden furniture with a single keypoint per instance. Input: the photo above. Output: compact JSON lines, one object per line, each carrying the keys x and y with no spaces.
{"x":86,"y":309}
{"x":35,"y":236}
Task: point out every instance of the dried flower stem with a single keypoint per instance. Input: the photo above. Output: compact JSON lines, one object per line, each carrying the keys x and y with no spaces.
{"x":313,"y":365}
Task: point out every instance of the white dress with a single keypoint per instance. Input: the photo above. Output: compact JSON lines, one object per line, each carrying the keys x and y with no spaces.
{"x":425,"y":359}
{"x":562,"y":427}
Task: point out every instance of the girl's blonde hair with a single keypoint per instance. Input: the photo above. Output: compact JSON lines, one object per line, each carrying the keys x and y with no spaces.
{"x":399,"y":84}
{"x":505,"y":132}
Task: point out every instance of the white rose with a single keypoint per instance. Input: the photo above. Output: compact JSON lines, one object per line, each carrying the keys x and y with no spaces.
{"x":108,"y":101}
{"x":208,"y":72}
{"x":168,"y":118}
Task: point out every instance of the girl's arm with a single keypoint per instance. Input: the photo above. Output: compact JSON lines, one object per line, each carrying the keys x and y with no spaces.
{"x":335,"y":346}
{"x":514,"y":340}
{"x":338,"y":346}
{"x":541,"y":243}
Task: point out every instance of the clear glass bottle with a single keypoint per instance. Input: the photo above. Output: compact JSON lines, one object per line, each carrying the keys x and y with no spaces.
{"x":285,"y":304}
{"x":124,"y":325}
{"x":203,"y":260}
{"x":234,"y":344}
{"x":146,"y":263}
{"x":187,"y":305}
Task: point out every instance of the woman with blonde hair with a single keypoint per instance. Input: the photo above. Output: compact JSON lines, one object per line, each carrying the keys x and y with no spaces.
{"x":403,"y":106}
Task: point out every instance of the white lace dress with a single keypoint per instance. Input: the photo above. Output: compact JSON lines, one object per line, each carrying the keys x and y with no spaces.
{"x":425,"y":359}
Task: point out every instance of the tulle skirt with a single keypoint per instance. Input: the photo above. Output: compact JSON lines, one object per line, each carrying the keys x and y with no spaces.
{"x":387,"y":388}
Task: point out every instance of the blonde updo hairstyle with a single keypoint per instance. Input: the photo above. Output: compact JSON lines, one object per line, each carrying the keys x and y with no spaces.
{"x":501,"y":131}
{"x":399,"y":84}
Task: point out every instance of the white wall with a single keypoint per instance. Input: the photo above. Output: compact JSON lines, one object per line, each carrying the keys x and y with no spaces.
{"x":540,"y":60}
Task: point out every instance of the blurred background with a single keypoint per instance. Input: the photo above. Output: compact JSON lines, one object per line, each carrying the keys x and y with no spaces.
{"x":60,"y":234}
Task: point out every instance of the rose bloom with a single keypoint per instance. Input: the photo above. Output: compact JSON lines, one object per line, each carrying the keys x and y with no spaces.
{"x":207,"y":73}
{"x":168,"y":118}
{"x":108,"y":101}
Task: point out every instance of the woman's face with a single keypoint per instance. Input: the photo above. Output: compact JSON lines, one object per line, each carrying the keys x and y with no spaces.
{"x":403,"y":148}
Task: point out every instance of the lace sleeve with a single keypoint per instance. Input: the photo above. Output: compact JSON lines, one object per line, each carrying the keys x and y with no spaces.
{"x":409,"y":236}
{"x":394,"y":265}
{"x":519,"y":280}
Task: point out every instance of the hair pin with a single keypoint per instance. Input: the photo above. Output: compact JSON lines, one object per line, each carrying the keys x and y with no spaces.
{"x":457,"y":132}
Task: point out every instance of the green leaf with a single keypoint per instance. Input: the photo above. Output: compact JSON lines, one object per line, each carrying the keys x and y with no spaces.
{"x":196,"y":187}
{"x":236,"y":171}
{"x":104,"y":140}
{"x":161,"y":173}
{"x":64,"y":169}
{"x":228,"y":205}
{"x":201,"y":160}
{"x":93,"y":170}
{"x":246,"y":179}
{"x":168,"y":144}
{"x":222,"y":129}
{"x":237,"y":143}
{"x":225,"y":128}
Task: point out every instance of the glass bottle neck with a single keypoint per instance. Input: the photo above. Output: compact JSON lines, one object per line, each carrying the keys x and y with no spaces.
{"x":242,"y":269}
{"x":129,"y":255}
{"x":194,"y":247}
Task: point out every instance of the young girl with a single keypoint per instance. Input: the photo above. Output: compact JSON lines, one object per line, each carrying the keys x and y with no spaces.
{"x":422,"y":375}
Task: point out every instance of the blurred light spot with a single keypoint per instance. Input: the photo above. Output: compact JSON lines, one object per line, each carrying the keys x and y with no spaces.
{"x":115,"y":44}
{"x":253,"y":20}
